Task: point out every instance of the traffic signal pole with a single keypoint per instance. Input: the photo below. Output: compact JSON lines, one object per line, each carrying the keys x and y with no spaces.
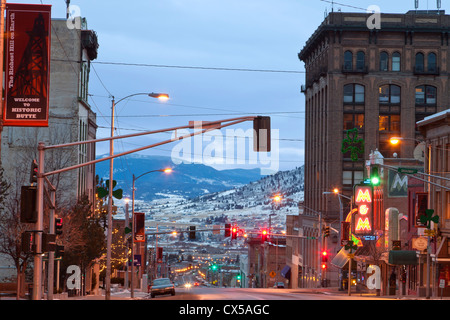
{"x":39,"y":225}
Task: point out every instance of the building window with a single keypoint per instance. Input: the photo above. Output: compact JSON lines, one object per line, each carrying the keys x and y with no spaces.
{"x":352,"y":120}
{"x":420,"y":63}
{"x":426,"y":95}
{"x":353,"y":93}
{"x":384,"y":61}
{"x":447,"y":209}
{"x":348,"y":60}
{"x":390,"y":122}
{"x":389,"y":94}
{"x":432,"y":64}
{"x":396,"y":61}
{"x":352,"y":177}
{"x":360,"y":61}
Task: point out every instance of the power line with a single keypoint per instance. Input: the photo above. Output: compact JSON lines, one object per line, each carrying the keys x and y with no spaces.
{"x":344,"y":5}
{"x":204,"y":114}
{"x":185,"y":67}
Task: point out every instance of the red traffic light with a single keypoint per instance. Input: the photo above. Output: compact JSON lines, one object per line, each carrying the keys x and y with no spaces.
{"x":234,"y":232}
{"x":323,"y":266}
{"x":324,"y":256}
{"x":264,"y":234}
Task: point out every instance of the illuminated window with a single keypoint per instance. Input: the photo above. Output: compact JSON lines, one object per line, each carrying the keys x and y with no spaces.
{"x":389,"y":122}
{"x":353,"y":121}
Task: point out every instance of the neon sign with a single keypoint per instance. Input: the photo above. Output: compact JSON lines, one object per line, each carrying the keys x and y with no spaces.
{"x":364,"y":216}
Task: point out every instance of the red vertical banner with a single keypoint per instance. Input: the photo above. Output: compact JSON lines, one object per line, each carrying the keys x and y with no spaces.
{"x":139,"y":227}
{"x":27,"y":65}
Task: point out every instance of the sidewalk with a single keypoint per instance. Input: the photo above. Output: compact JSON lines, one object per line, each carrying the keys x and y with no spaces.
{"x":119,"y":294}
{"x":367,"y":293}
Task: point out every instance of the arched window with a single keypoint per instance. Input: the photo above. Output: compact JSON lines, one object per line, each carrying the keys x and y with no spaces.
{"x":396,"y":61}
{"x":353,"y":93}
{"x":360,"y":60}
{"x":389,"y":94}
{"x":384,"y":61}
{"x":432,"y":66}
{"x":420,"y":64}
{"x":348,"y":60}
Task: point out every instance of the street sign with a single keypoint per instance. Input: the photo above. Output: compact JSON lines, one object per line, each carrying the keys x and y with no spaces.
{"x":442,"y":283}
{"x":272,"y":274}
{"x":429,"y":233}
{"x":407,"y":170}
{"x":419,"y":243}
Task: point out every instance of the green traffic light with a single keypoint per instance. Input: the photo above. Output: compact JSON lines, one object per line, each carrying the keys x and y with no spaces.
{"x":374,"y":176}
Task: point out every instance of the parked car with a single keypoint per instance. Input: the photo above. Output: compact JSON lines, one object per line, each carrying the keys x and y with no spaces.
{"x":161,"y":286}
{"x":278,"y":285}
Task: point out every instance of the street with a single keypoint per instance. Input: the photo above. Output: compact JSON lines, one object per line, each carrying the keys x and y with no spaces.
{"x":204,"y":293}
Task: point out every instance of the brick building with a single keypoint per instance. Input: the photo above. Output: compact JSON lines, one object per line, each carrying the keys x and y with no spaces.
{"x":436,"y":131}
{"x":377,"y":82}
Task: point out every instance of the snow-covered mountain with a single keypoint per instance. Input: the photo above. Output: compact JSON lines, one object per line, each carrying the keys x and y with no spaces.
{"x":186,"y":180}
{"x":200,"y":195}
{"x":249,"y":205}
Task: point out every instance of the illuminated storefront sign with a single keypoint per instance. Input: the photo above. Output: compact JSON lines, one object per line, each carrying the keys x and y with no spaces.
{"x":363,"y":219}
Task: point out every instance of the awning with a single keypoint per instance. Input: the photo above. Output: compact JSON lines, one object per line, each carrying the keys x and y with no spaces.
{"x":402,"y":257}
{"x":286,"y":272}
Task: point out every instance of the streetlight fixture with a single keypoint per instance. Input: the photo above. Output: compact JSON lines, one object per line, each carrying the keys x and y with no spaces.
{"x":341,"y":216}
{"x":166,"y":170}
{"x":111,"y":165}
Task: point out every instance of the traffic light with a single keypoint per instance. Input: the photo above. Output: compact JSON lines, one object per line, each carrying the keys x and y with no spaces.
{"x":159,"y":255}
{"x":264,"y":234}
{"x":227,"y":229}
{"x":33,"y":172}
{"x":234,"y":232}
{"x":375,"y":175}
{"x":28,"y":212}
{"x":261,"y":134}
{"x":27,"y":243}
{"x":214,"y":267}
{"x":192,"y":233}
{"x":48,"y":242}
{"x":326,"y":232}
{"x":59,"y":252}
{"x":58,"y":226}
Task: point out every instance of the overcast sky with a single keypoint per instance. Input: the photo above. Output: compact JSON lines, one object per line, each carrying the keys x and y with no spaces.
{"x":147,"y":45}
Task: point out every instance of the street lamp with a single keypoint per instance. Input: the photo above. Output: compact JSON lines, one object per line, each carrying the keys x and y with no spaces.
{"x":111,"y":164}
{"x":341,"y":213}
{"x":166,"y":170}
{"x":341,"y":209}
{"x":394,"y":141}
